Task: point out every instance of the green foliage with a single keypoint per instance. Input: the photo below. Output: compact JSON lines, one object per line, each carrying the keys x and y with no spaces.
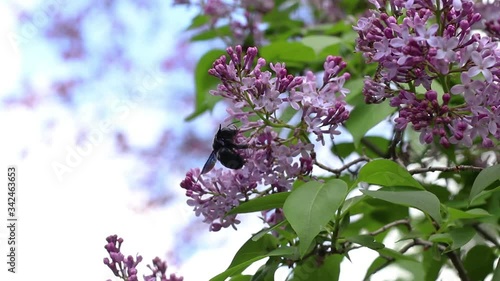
{"x":319,"y":42}
{"x":364,"y":117}
{"x":312,"y":270}
{"x":387,"y":173}
{"x":422,"y":200}
{"x":318,"y":204}
{"x":366,"y":240}
{"x":377,"y":146}
{"x":485,"y":178}
{"x":204,"y":83}
{"x":249,"y":253}
{"x":479,"y":262}
{"x":272,"y":201}
{"x":287,"y":52}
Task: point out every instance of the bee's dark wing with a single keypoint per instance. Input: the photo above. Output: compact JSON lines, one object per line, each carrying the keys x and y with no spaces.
{"x":209,"y":165}
{"x":230,"y":158}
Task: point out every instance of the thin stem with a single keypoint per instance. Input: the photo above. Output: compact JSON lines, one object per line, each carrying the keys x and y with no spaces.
{"x":341,"y":169}
{"x":336,"y":230}
{"x":486,"y":235}
{"x":391,"y":259}
{"x":395,"y":140}
{"x":445,"y":169}
{"x":405,"y":222}
{"x":459,"y":266}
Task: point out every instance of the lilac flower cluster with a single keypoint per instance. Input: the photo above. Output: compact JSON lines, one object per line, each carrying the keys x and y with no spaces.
{"x":246,"y":86}
{"x":125,"y":268}
{"x":423,"y":43}
{"x":270,"y":162}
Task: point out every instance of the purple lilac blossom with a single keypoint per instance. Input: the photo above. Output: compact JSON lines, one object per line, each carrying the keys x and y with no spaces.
{"x":490,"y":18}
{"x":270,"y":162}
{"x":414,"y":48}
{"x":125,"y":267}
{"x":159,"y":271}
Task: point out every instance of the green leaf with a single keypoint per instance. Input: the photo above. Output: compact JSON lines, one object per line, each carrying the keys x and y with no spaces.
{"x":254,"y":249}
{"x":288,"y":252}
{"x":235,"y":269}
{"x":441,"y":238}
{"x":198,"y":21}
{"x":241,"y":278}
{"x":388,"y":252}
{"x":344,"y":222}
{"x":422,"y":200}
{"x":455,"y":214}
{"x":479,"y":262}
{"x":310,"y":271}
{"x":364,"y":117}
{"x":266,"y":271}
{"x":343,"y":150}
{"x":267,"y":202}
{"x":379,"y":261}
{"x":386,"y":173}
{"x":483,"y":195}
{"x":374,"y":266}
{"x":494,"y":204}
{"x":262,"y":232}
{"x":330,"y":269}
{"x":249,"y":253}
{"x":333,"y":50}
{"x":204,"y":83}
{"x":461,"y":236}
{"x":455,"y":238}
{"x":339,"y":27}
{"x":367,"y":241}
{"x":351,"y":202}
{"x":355,"y":97}
{"x":286,"y":115}
{"x":485,"y":178}
{"x":496,"y":274}
{"x":212,"y":33}
{"x":432,"y":264}
{"x":351,"y":6}
{"x":311,"y":206}
{"x":416,"y":269}
{"x":379,"y":143}
{"x":285,"y":51}
{"x":319,"y":42}
{"x":280,"y":25}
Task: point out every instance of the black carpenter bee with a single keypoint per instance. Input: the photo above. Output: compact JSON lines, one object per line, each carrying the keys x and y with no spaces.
{"x":224,"y":150}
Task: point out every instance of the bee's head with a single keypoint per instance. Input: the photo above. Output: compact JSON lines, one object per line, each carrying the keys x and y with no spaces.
{"x":226,"y":133}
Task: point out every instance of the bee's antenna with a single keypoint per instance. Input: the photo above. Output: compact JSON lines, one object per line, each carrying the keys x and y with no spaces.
{"x":232,"y":123}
